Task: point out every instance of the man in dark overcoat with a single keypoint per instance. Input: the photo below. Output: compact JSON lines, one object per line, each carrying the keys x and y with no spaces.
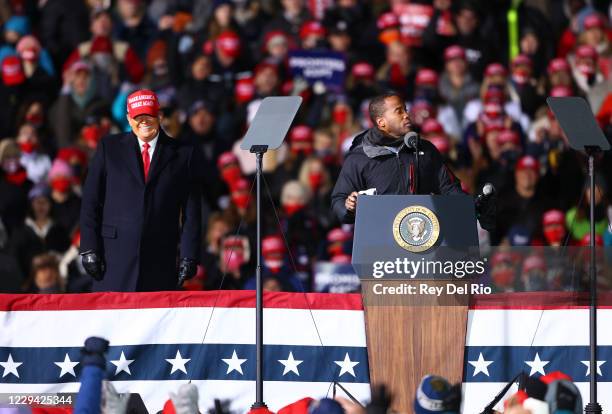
{"x":141,"y":199}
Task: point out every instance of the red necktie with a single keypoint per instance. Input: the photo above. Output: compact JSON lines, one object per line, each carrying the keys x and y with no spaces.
{"x":146,"y":159}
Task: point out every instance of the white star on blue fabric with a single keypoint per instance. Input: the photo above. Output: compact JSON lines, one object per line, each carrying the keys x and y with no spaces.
{"x":346,"y":366}
{"x":290,"y":364}
{"x":537,"y":365}
{"x":588,"y":365}
{"x":67,"y":366}
{"x":178,"y":363}
{"x":10,"y":367}
{"x":234,"y":363}
{"x":480,"y":365}
{"x":123,"y":364}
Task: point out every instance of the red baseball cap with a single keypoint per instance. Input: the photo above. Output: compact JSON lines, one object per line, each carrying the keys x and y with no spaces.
{"x":553,"y":216}
{"x":561,"y":91}
{"x":272,"y":244}
{"x":454,"y":52}
{"x":228,"y":42}
{"x":586,"y":52}
{"x":426,"y":76}
{"x":142,"y":102}
{"x":592,"y":21}
{"x":432,"y":125}
{"x":387,"y":21}
{"x":300,"y":133}
{"x":441,"y":143}
{"x":534,"y":262}
{"x":312,"y":28}
{"x":12,"y":72}
{"x":244,"y":90}
{"x":586,"y":240}
{"x":508,"y":136}
{"x":338,"y":235}
{"x":226,"y":158}
{"x":521,"y":60}
{"x":528,"y":163}
{"x":495,"y":69}
{"x":363,"y":70}
{"x":558,"y":65}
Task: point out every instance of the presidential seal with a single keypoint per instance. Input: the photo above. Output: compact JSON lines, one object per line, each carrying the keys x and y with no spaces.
{"x":416,"y":228}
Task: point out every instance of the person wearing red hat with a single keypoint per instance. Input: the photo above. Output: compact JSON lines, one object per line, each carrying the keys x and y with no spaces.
{"x":523,"y":84}
{"x":523,"y":203}
{"x":597,"y":34}
{"x":496,"y":86}
{"x":130,"y":233}
{"x":107,"y":54}
{"x":457,"y":87}
{"x":585,"y":68}
{"x":276,"y":267}
{"x":77,"y":101}
{"x":290,"y":19}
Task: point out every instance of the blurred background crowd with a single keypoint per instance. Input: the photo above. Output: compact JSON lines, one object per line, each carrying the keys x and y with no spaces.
{"x":475,"y":75}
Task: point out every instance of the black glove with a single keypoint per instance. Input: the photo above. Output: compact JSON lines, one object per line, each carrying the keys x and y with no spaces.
{"x":187,"y":270}
{"x":381,"y":400}
{"x":486,"y":212}
{"x":93,"y":264}
{"x":93,"y":352}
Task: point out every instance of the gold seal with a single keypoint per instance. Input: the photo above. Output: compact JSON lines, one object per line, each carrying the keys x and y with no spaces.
{"x":416,"y":229}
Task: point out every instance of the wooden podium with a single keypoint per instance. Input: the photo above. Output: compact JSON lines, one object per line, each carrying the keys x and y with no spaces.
{"x":411,"y":336}
{"x":407,"y":342}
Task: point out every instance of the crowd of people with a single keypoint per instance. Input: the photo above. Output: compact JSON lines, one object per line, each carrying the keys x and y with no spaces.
{"x":475,"y":78}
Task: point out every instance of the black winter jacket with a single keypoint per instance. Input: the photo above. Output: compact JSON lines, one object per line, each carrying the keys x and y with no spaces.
{"x":368,"y":165}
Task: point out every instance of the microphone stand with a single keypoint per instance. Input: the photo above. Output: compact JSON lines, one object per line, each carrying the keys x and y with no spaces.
{"x":593,"y":407}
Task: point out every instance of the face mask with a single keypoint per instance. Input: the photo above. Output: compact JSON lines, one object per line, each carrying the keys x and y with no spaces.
{"x":233,"y":259}
{"x":520,"y":77}
{"x":554,"y":235}
{"x":503,"y":277}
{"x":241,"y":200}
{"x":301,"y":152}
{"x":340,"y":115}
{"x":231,"y":174}
{"x":18,"y":177}
{"x":335,"y":249}
{"x":315,"y":180}
{"x":92,"y":135}
{"x":61,"y":185}
{"x":585,"y":69}
{"x":292,"y":208}
{"x":27,"y":147}
{"x":35,"y":119}
{"x":327,"y":156}
{"x":273,"y":264}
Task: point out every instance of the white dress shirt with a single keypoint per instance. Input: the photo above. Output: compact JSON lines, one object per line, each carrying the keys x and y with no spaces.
{"x":152,"y":145}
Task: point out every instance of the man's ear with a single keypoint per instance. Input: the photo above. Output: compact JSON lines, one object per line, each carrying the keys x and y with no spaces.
{"x":380,"y":122}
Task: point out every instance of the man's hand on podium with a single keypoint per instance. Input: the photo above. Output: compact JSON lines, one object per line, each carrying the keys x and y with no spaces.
{"x":351,"y":202}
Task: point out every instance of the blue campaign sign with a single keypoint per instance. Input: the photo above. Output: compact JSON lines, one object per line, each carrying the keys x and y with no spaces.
{"x":335,"y":278}
{"x":324,"y":66}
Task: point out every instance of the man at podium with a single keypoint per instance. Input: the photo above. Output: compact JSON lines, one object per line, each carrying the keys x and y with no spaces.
{"x":390,"y":159}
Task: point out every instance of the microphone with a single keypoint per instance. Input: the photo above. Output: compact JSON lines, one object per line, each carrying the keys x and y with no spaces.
{"x":487,"y":191}
{"x":411,"y":140}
